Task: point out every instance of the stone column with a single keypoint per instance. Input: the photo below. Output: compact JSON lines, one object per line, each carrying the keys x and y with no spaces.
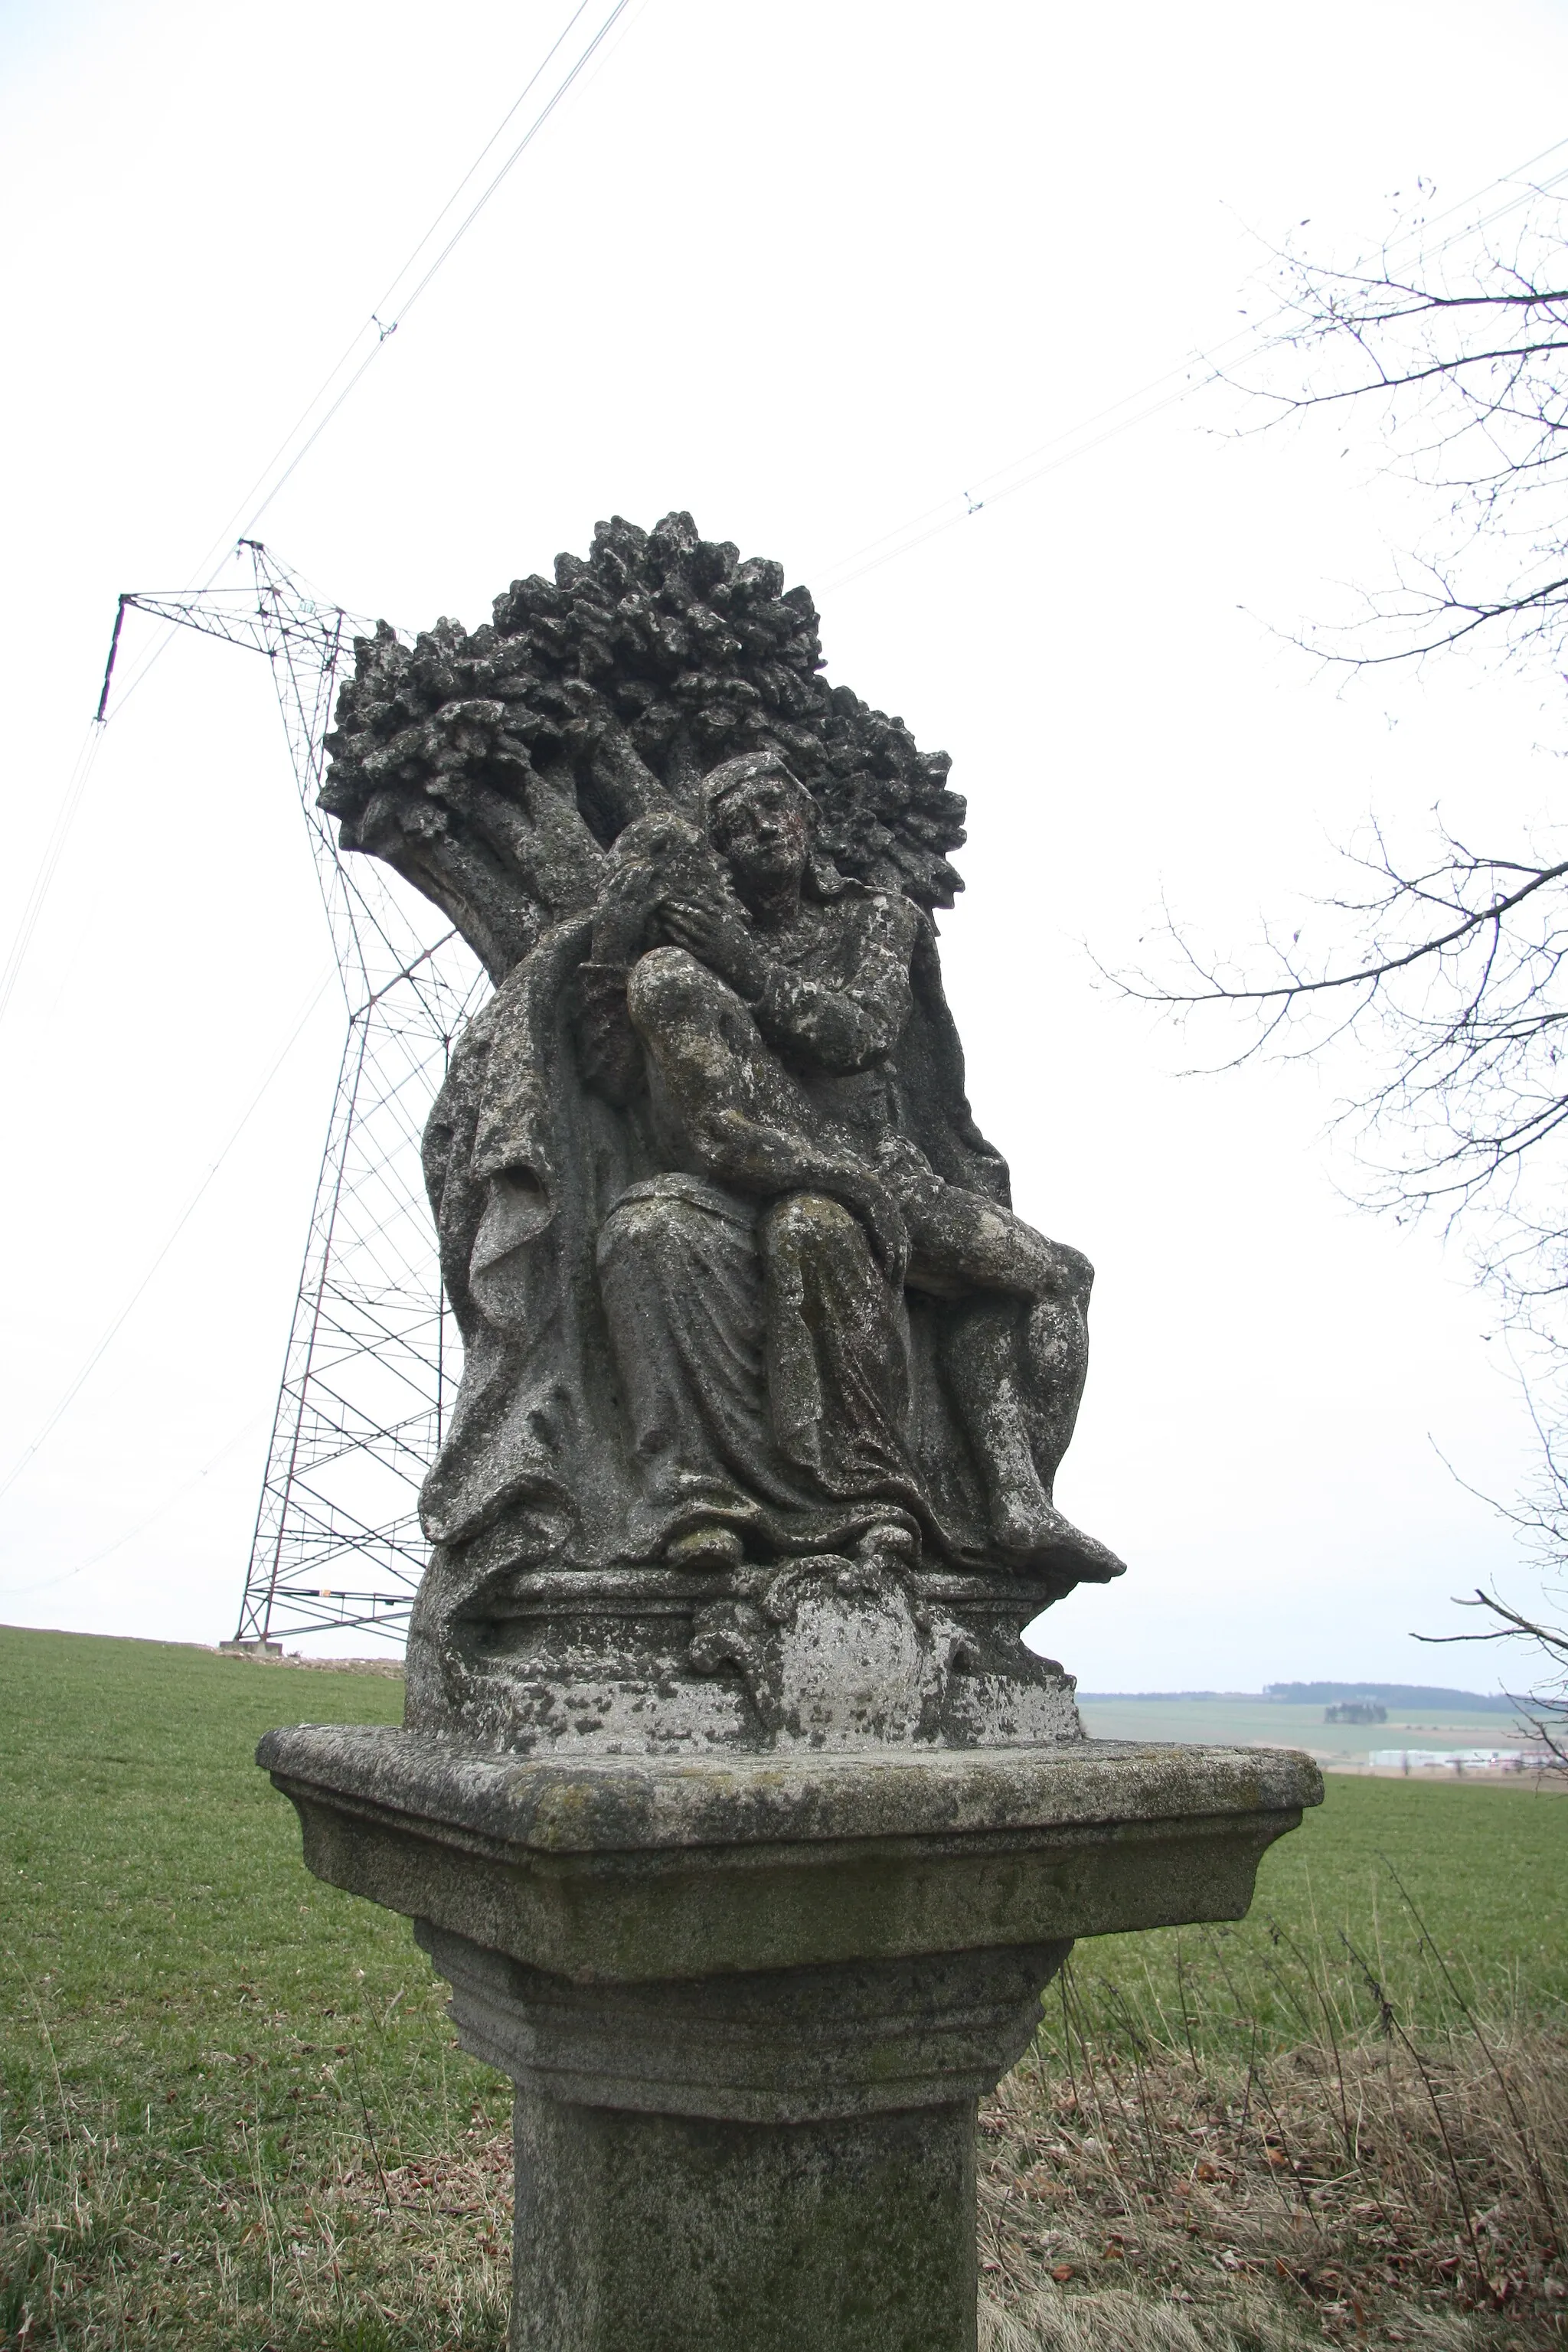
{"x":723,"y":2161}
{"x":750,"y":2002}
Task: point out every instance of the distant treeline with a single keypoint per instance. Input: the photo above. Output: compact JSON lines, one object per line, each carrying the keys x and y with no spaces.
{"x":1402,"y":1696}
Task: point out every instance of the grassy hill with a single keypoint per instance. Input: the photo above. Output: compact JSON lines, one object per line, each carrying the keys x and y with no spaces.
{"x":232,"y":2114}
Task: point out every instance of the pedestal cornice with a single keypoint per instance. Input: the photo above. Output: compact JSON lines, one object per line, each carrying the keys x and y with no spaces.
{"x":627,"y":1870}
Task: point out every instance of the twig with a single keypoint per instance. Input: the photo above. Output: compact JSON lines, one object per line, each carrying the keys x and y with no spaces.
{"x":1333,"y":2038}
{"x":369,"y":2129}
{"x":1066,"y":2032}
{"x":1134,"y":2040}
{"x":1393,"y":2026}
{"x":1299,"y":2184}
{"x":25,"y":1983}
{"x":1182,"y":1997}
{"x":1532,"y":2161}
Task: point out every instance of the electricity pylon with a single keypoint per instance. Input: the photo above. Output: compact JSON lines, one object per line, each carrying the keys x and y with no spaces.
{"x":373,"y":1361}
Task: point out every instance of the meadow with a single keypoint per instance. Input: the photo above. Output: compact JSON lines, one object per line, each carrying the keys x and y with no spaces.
{"x":232,"y":2114}
{"x":1239,"y":1719}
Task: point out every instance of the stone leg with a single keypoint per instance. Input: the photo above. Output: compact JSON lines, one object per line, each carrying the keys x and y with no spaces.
{"x":776,"y":2161}
{"x":681,"y":1284}
{"x":1018,"y":1376}
{"x":837,"y":1352}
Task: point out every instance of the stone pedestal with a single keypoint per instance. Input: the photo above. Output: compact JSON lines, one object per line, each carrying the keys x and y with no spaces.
{"x":731,"y":2161}
{"x":730,"y":1800}
{"x":750,"y":2002}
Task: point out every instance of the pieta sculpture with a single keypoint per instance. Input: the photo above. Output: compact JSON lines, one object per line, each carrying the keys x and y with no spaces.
{"x":765,"y":1386}
{"x":729,"y":1802}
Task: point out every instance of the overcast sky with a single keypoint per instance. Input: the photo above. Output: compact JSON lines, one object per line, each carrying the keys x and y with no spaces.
{"x":808,"y":271}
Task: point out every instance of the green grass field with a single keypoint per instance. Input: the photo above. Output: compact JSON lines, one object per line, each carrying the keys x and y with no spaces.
{"x":203,"y":2034}
{"x":174,"y":1982}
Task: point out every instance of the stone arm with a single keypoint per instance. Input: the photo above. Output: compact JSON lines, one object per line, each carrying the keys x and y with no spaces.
{"x":757,"y":1156}
{"x":611,"y":1051}
{"x":747,"y":1121}
{"x":839,"y":1027}
{"x":846,"y":1029}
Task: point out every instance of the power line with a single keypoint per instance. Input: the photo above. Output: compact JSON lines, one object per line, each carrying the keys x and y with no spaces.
{"x":76,"y":786}
{"x":1162,"y":392}
{"x":98,"y":1353}
{"x":245,"y":516}
{"x":383,"y":329}
{"x":384,"y":300}
{"x":1147,"y":400}
{"x":367,"y":1376}
{"x":47,"y":1583}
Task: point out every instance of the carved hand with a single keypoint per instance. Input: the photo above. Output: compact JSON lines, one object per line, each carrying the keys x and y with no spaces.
{"x":626,"y":906}
{"x":721,"y":939}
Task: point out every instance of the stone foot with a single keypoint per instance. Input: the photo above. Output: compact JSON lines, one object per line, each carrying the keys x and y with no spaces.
{"x":710,"y":1546}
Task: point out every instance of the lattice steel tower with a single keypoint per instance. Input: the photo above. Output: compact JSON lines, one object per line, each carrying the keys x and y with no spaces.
{"x":372,"y":1359}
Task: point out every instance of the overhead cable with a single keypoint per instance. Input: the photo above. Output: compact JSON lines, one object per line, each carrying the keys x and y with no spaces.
{"x":269,"y":482}
{"x":65,"y":817}
{"x":264,"y":485}
{"x":68,"y":1575}
{"x":1149,"y":400}
{"x":74,"y":1390}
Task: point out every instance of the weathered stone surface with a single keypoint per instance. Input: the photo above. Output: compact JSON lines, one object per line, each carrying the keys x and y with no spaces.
{"x":729,"y":1802}
{"x":763,"y":2046}
{"x":820,"y":1652}
{"x":610,"y":1869}
{"x":782,"y":2159}
{"x":660,"y":2234}
{"x":743,"y":1296}
{"x":749,"y":2001}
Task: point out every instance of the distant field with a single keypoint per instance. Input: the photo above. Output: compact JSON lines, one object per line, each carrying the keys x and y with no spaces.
{"x":212,"y":2065}
{"x":1265,"y":1722}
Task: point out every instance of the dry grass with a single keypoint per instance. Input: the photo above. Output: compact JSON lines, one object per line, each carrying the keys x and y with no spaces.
{"x":1134,"y":2197}
{"x":232,"y":2116}
{"x":1143,"y":2192}
{"x":98,"y":2253}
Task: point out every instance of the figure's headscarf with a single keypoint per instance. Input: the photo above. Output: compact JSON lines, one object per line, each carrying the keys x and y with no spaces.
{"x":733,"y":774}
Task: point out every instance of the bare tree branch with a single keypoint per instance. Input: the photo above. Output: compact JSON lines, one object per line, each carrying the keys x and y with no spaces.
{"x":1545,"y":1711}
{"x":1460,"y":362}
{"x":1446,"y":977}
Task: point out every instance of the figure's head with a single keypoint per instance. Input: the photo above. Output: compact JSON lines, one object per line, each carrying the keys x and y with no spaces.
{"x":759,"y":818}
{"x":661,"y":839}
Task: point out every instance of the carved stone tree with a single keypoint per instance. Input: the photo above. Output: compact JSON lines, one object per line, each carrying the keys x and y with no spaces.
{"x":728,"y":1799}
{"x":745,"y":1308}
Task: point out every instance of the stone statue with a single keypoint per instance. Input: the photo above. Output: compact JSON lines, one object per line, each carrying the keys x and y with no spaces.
{"x":728,"y":1799}
{"x":746,"y":1312}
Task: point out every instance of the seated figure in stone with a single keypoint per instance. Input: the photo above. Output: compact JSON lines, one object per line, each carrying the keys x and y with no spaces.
{"x":763,"y":1289}
{"x":739,"y":1282}
{"x":737,"y":1276}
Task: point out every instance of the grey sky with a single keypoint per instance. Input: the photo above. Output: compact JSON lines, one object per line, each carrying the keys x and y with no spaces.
{"x":808,"y":271}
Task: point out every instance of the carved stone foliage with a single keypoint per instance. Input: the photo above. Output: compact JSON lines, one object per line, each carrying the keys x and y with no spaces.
{"x":765,"y":1385}
{"x":491,"y":769}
